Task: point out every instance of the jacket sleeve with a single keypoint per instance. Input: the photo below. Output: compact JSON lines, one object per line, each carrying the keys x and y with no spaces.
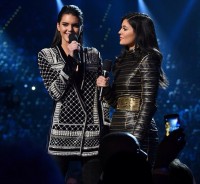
{"x":55,"y":79}
{"x":149,"y":71}
{"x":104,"y":106}
{"x":108,"y":92}
{"x":109,"y":97}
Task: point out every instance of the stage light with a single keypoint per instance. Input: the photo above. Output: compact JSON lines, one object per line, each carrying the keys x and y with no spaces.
{"x":10,"y":19}
{"x":182,"y":20}
{"x":33,"y":88}
{"x":25,"y":85}
{"x":59,"y":5}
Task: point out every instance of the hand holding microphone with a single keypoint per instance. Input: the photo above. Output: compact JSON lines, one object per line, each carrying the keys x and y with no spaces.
{"x":72,"y":66}
{"x":76,"y":54}
{"x":102,"y":81}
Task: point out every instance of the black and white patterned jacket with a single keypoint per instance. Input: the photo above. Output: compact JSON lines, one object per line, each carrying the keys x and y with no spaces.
{"x":78,"y":114}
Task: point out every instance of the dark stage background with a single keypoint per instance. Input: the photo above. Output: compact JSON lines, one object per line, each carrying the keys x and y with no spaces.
{"x":28,"y":26}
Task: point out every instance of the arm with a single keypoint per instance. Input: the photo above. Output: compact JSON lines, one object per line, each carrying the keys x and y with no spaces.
{"x":102,"y":81}
{"x":169,"y":148}
{"x":55,"y":77}
{"x":167,"y":153}
{"x":149,"y":73}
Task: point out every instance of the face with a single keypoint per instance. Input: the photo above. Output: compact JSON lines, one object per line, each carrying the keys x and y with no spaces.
{"x":68,"y":24}
{"x":127,"y":34}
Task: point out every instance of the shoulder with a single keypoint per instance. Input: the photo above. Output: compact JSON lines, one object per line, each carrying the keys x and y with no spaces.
{"x":151,"y":57}
{"x":92,"y":53}
{"x":153,"y":54}
{"x":91,"y":50}
{"x":48,"y":51}
{"x":44,"y":50}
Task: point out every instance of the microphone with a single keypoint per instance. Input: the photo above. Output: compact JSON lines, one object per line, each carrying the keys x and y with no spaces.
{"x":76,"y":54}
{"x":106,"y":69}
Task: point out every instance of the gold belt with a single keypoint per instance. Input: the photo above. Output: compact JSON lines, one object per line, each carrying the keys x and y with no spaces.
{"x":128,"y":103}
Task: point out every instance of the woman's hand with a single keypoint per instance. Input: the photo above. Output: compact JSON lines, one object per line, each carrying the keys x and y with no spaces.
{"x":102,"y":81}
{"x":74,"y":45}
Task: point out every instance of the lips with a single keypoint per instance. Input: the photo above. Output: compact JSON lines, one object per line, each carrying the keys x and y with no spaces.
{"x":67,"y":33}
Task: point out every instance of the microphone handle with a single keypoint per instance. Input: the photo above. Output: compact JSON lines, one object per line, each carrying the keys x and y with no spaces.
{"x":77,"y":56}
{"x":105,"y":74}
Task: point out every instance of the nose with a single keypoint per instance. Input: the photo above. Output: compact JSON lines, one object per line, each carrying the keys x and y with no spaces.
{"x":70,"y":28}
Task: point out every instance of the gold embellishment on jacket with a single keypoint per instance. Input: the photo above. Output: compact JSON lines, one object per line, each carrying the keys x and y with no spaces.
{"x":128,"y":103}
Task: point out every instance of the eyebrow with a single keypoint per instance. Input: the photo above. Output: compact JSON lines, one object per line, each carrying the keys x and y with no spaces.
{"x":124,"y":26}
{"x":73,"y":24}
{"x":70,"y":23}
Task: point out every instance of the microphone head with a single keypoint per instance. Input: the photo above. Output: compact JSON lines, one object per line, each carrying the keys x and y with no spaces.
{"x":73,"y":37}
{"x":107,"y":65}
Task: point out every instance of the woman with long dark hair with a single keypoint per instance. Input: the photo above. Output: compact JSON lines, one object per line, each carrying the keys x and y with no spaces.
{"x":69,"y":72}
{"x":137,"y":75}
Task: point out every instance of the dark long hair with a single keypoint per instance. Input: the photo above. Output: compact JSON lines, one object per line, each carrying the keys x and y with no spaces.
{"x":144,"y":29}
{"x":145,"y":39}
{"x":75,"y":11}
